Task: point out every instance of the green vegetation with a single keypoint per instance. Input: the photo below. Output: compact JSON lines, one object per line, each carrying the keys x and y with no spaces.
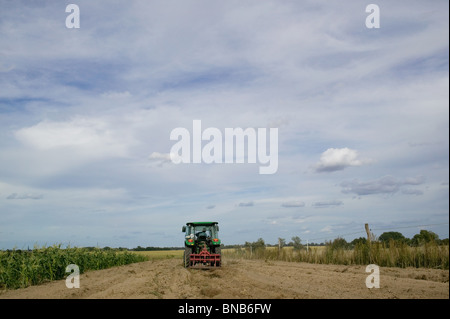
{"x":390,"y":250}
{"x":396,"y":236}
{"x":22,"y":268}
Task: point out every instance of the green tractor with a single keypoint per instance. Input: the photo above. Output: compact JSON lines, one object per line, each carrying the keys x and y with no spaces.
{"x":201,"y":245}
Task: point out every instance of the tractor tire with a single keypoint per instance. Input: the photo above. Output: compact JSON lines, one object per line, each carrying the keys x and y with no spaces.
{"x":186,"y":256}
{"x":217,"y":250}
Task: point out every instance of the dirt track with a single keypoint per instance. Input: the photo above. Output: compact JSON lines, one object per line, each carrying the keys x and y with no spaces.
{"x":244,"y":279}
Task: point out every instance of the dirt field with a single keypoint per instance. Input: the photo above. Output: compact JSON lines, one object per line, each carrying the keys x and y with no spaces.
{"x":244,"y":279}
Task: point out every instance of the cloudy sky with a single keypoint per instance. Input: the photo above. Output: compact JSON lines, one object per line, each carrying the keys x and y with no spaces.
{"x":86,"y":116}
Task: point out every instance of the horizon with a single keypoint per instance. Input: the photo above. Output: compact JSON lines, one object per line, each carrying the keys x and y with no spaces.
{"x":288,"y":241}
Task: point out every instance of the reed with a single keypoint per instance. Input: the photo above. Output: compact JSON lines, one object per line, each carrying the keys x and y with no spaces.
{"x":395,"y":254}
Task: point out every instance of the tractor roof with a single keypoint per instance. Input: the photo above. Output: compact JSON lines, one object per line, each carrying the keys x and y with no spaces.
{"x":202,"y":223}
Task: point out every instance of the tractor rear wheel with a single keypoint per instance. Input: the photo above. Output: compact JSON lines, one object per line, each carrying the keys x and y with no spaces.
{"x":186,"y":256}
{"x":218,"y":251}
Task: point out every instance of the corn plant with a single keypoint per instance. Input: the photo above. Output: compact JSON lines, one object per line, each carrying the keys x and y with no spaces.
{"x":22,"y":268}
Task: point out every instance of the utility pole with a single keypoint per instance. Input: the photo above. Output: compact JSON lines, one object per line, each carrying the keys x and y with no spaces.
{"x":368,"y":232}
{"x":279,"y":247}
{"x":368,"y":241}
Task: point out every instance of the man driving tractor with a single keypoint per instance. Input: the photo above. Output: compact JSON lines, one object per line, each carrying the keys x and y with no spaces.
{"x":202,"y":235}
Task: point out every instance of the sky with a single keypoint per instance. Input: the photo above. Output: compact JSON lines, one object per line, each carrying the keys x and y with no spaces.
{"x":86,"y":115}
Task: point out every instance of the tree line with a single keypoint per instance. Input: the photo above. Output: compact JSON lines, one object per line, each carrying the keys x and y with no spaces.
{"x":423,"y":237}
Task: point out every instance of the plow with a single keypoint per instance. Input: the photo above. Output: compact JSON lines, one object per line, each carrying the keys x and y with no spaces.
{"x":202,"y":245}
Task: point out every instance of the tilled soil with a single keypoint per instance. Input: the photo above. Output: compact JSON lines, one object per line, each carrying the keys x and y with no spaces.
{"x":243,"y":279}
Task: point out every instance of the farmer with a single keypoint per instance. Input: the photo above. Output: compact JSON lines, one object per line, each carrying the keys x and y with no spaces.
{"x":202,"y":234}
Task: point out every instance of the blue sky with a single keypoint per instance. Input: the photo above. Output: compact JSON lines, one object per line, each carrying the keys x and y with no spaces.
{"x":362,"y":117}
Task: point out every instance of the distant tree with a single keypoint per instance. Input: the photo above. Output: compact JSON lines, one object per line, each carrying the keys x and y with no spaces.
{"x":259,"y":244}
{"x":386,"y":237}
{"x":423,"y":237}
{"x":360,"y":241}
{"x":297,"y":243}
{"x":281,"y":242}
{"x":339,"y":243}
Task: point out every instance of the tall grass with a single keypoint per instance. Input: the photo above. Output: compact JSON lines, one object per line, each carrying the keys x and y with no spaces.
{"x":22,"y":268}
{"x":396,"y":254}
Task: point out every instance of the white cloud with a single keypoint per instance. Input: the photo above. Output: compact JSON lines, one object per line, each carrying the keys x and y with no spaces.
{"x":85,"y":137}
{"x":156,"y":156}
{"x":335,"y":159}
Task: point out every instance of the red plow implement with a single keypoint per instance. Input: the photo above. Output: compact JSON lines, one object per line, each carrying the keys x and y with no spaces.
{"x":204,"y":259}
